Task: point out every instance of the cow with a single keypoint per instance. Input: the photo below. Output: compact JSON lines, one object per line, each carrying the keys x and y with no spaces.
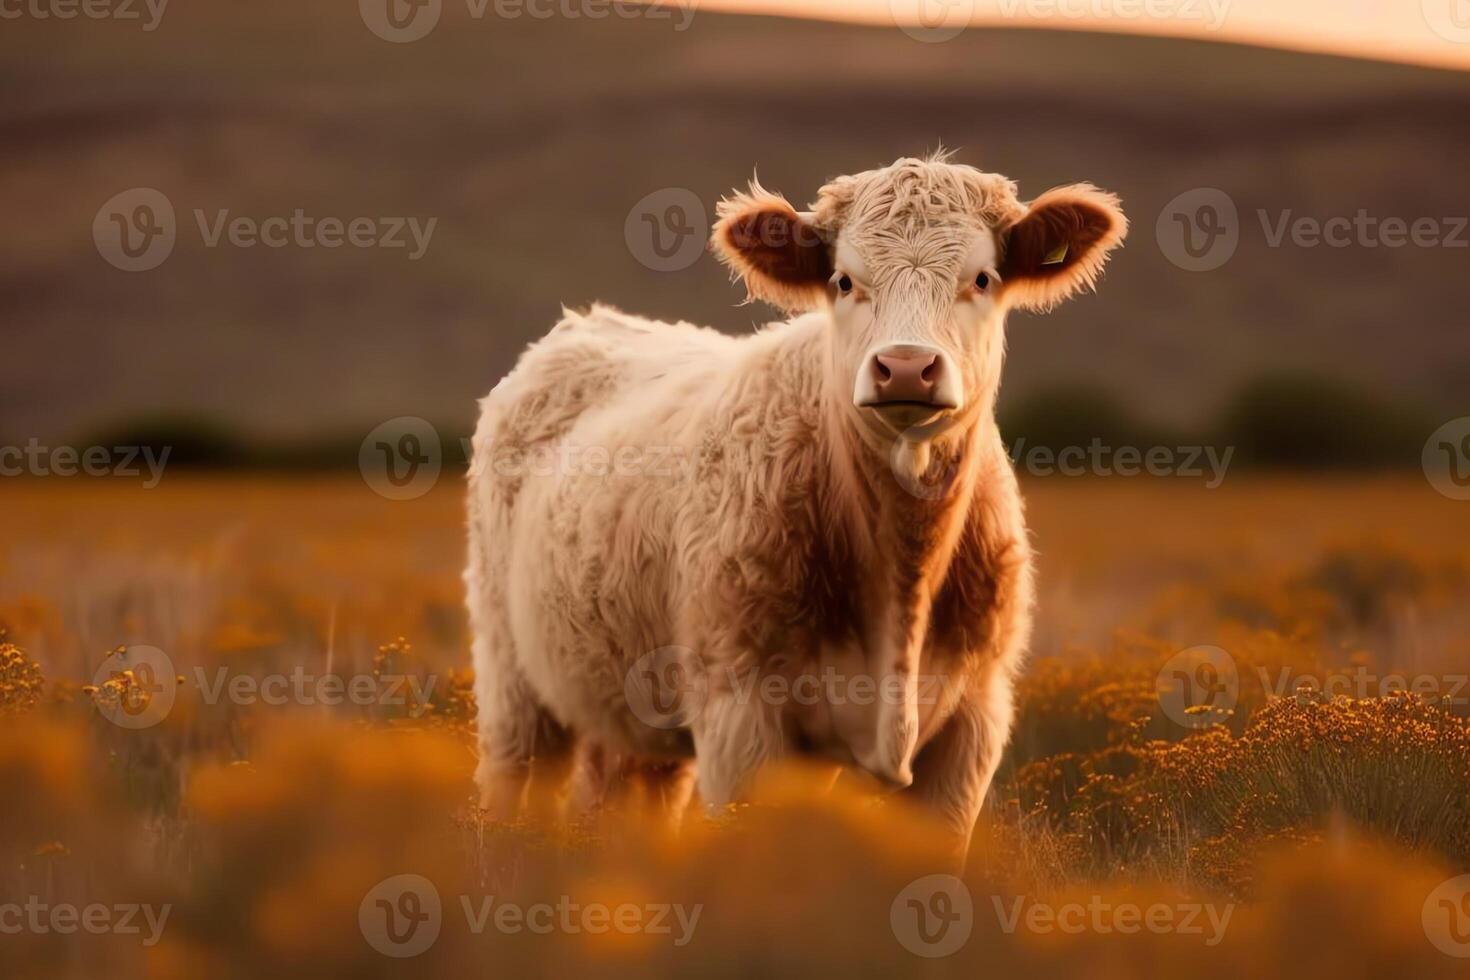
{"x":810,"y":537}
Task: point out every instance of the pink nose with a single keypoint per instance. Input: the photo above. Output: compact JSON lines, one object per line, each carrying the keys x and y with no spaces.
{"x":906,"y":374}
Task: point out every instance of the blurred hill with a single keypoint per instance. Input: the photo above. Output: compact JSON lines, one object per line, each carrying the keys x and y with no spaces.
{"x":531,"y":139}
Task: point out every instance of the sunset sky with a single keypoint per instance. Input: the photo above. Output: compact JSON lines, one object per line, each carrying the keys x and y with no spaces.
{"x":1435,"y":32}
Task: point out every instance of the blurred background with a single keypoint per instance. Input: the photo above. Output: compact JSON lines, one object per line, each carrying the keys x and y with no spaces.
{"x":551,"y":153}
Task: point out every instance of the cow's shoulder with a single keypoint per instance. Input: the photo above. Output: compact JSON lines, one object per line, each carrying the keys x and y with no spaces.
{"x":986,"y":594}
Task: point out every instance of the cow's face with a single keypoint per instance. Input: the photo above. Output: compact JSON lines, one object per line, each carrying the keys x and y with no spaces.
{"x":917,"y":264}
{"x":916,"y":324}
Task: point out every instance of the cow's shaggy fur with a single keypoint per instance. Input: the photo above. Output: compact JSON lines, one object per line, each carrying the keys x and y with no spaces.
{"x":657,"y":504}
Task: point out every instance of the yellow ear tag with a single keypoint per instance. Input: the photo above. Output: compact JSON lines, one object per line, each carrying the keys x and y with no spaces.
{"x":1056,"y":256}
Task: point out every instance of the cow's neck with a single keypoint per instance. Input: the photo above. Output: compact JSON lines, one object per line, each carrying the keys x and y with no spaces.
{"x":902,"y":509}
{"x":910,"y":504}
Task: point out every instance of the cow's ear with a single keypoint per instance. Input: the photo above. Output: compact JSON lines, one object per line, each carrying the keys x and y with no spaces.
{"x":774,"y":249}
{"x":1059,"y":245}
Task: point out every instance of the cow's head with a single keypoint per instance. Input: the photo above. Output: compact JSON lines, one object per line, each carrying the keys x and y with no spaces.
{"x":917,"y":264}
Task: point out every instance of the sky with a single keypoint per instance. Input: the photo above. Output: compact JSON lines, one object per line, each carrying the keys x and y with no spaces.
{"x":1431,"y":32}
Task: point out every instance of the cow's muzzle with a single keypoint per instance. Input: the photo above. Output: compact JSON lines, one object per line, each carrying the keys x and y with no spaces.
{"x":908,"y":384}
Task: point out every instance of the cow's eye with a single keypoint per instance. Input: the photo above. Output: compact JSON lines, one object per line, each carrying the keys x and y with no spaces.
{"x":844,"y":283}
{"x":982,"y":281}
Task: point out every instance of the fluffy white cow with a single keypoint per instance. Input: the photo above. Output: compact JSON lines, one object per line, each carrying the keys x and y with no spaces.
{"x":809,"y":539}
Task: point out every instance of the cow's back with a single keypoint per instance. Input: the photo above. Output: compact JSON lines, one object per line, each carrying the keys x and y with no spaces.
{"x":599,"y":380}
{"x":587,"y":361}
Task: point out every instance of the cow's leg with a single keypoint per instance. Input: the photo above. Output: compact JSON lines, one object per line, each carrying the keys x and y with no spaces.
{"x":603,"y":779}
{"x":512,"y":727}
{"x":954,"y":770}
{"x":667,"y":789}
{"x":597,"y":775}
{"x":731,"y":741}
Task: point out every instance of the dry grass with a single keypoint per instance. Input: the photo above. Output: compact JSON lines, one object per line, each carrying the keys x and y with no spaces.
{"x":1330,"y":820}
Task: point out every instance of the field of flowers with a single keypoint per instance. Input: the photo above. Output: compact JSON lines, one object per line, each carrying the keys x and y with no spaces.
{"x":235,"y":714}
